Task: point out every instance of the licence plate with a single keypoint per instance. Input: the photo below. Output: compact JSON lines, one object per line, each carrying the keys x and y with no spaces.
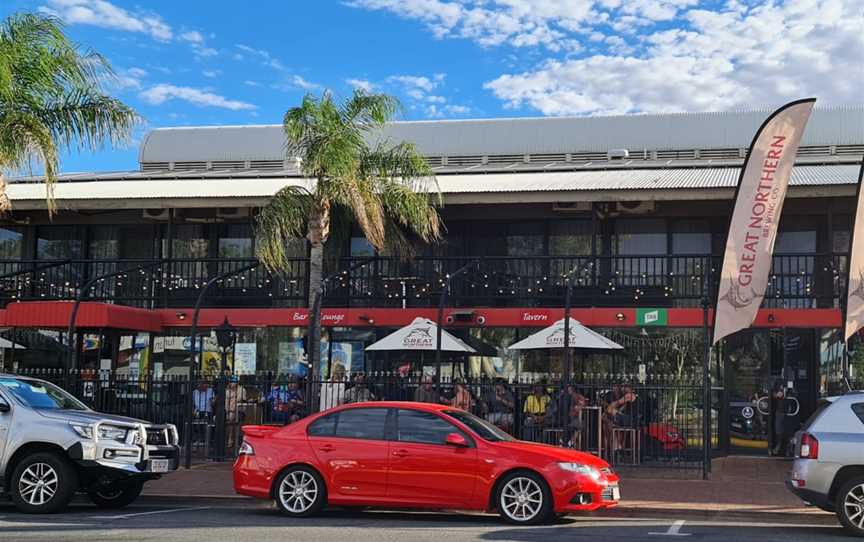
{"x":160,"y":465}
{"x":616,"y":493}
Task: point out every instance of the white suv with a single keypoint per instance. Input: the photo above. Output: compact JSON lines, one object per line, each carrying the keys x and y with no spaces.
{"x":828,"y":471}
{"x":52,"y":445}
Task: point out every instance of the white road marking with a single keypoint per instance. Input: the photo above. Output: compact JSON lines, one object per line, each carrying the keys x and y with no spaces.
{"x":674,"y":530}
{"x":138,"y":514}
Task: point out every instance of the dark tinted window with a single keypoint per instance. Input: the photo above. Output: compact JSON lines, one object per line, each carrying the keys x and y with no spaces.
{"x":858,"y":409}
{"x":323,"y":427}
{"x":365,"y":423}
{"x":479,"y":426}
{"x":422,"y":427}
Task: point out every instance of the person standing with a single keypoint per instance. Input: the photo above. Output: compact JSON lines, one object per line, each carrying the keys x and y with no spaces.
{"x":333,"y":392}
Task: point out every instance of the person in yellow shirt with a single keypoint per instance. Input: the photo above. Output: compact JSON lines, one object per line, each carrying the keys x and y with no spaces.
{"x":535,"y":411}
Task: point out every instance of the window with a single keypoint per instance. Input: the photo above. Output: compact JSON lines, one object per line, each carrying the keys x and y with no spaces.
{"x":11,"y":240}
{"x":858,"y":409}
{"x":363,"y":423}
{"x":58,"y":243}
{"x":640,"y":237}
{"x":570,"y":238}
{"x":235,"y":241}
{"x":423,"y":427}
{"x":323,"y":427}
{"x":480,"y":426}
{"x":691,"y":237}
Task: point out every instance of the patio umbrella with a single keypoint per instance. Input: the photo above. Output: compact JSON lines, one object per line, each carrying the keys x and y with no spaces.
{"x":420,"y":335}
{"x":581,"y":338}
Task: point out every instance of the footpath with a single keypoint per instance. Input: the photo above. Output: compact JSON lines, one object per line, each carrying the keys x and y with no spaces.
{"x":751,"y":489}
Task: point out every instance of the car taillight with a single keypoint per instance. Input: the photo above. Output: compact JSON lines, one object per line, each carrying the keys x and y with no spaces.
{"x":809,"y":447}
{"x":246,"y":449}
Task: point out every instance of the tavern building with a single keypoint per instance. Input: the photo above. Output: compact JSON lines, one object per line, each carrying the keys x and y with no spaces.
{"x":639,"y":205}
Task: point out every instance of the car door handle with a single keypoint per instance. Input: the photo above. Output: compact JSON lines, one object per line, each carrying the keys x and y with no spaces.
{"x":400,"y":453}
{"x":327,"y":448}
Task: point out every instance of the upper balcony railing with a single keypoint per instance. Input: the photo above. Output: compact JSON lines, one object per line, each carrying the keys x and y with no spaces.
{"x":797,"y":281}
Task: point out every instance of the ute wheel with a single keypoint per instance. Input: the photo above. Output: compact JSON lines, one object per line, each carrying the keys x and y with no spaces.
{"x":850,"y":505}
{"x":43,"y":483}
{"x":524,"y":498}
{"x":116,"y":496}
{"x":300,"y":492}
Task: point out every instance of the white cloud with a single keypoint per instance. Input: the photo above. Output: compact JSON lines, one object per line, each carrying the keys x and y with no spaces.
{"x":361,"y":84}
{"x":250,"y":83}
{"x":106,"y":15}
{"x":727,"y":58}
{"x":192,"y":36}
{"x":137,"y":72}
{"x":420,"y":83}
{"x":299,"y":82}
{"x":164,"y":92}
{"x":211,"y":73}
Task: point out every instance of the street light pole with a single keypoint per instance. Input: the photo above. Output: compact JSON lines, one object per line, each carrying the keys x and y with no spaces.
{"x":225,"y":336}
{"x":442,"y":301}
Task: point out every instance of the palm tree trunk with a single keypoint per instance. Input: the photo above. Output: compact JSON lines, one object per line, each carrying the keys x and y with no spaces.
{"x":319,"y":229}
{"x":313,"y":340}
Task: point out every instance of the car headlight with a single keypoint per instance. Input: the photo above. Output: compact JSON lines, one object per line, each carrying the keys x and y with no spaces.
{"x":84,"y":431}
{"x":587,"y":470}
{"x":246,"y":449}
{"x":108,"y":432}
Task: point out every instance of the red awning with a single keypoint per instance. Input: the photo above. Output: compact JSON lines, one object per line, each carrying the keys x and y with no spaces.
{"x":55,"y":314}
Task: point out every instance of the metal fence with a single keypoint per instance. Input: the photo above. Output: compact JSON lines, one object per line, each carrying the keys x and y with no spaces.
{"x":797,"y":281}
{"x":653,"y":422}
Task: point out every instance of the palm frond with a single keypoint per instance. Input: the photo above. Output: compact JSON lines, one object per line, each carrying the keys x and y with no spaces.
{"x":284,"y":219}
{"x":51,"y":97}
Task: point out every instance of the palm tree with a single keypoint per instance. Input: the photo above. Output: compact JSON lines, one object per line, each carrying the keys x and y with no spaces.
{"x":355,"y":176}
{"x":51,"y":100}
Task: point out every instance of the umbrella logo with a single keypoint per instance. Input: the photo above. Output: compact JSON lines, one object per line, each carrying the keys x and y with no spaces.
{"x":419,"y":336}
{"x":556,"y":338}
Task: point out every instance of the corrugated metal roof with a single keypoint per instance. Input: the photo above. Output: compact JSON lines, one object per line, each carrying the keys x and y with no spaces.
{"x":829,"y":126}
{"x":141,"y":186}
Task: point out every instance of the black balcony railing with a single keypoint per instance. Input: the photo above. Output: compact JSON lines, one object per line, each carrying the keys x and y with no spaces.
{"x":797,"y":281}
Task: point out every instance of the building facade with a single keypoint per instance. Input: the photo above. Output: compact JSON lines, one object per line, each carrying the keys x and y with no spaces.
{"x":636,"y":207}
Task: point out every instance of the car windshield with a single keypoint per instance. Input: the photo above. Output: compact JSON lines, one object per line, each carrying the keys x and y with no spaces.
{"x":36,"y":394}
{"x":484,"y":429}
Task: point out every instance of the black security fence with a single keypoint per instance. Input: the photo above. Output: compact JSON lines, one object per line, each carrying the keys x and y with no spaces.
{"x":633,"y":421}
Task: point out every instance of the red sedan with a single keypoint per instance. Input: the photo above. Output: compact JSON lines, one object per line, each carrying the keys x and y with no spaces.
{"x":416,"y":455}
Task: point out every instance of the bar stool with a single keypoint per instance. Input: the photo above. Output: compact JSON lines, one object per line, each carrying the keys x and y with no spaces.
{"x":631,"y":443}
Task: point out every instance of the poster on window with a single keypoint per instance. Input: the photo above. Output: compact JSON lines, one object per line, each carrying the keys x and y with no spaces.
{"x":292,"y":358}
{"x":245,"y":358}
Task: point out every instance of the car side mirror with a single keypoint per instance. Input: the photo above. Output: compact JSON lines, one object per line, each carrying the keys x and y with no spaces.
{"x":4,"y":408}
{"x":455,"y":439}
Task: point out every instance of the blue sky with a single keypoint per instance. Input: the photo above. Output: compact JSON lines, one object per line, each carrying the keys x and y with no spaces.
{"x":181,"y":63}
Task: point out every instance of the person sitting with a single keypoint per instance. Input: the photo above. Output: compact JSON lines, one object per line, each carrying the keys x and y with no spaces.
{"x":286,"y":403}
{"x":619,"y":413}
{"x":426,"y":392}
{"x":576,"y":403}
{"x":499,"y":406}
{"x":359,"y":393}
{"x":461,"y":397}
{"x":534,"y":409}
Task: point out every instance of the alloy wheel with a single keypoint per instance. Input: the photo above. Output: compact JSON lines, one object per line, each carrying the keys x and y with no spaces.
{"x":853,"y":505}
{"x":298,"y":491}
{"x":521,"y":499}
{"x":38,"y":484}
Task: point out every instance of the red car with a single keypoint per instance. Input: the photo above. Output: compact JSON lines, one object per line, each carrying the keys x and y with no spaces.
{"x":416,"y":455}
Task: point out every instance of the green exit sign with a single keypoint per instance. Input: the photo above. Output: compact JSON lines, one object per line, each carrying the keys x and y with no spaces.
{"x":652,"y":317}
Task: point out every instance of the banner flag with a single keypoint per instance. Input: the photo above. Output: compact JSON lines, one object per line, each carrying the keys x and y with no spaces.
{"x":854,"y":319}
{"x":758,"y":205}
